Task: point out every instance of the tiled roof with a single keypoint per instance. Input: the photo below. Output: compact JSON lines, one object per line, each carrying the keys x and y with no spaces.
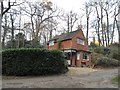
{"x":65,"y":36}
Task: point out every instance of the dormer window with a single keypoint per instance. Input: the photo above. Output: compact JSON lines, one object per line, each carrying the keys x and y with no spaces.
{"x":80,"y":41}
{"x":51,"y":43}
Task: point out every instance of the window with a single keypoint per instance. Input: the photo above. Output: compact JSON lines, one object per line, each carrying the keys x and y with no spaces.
{"x":78,"y":56}
{"x":86,"y":56}
{"x":51,"y":43}
{"x":80,"y":41}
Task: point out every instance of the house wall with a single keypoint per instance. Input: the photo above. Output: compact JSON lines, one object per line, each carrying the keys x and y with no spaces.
{"x":88,"y":62}
{"x":79,"y":61}
{"x":71,"y":43}
{"x":77,"y":46}
{"x":73,"y":59}
{"x":64,"y":45}
{"x":53,"y":47}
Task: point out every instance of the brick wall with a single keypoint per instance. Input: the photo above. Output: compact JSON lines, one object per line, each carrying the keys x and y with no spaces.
{"x":79,"y":46}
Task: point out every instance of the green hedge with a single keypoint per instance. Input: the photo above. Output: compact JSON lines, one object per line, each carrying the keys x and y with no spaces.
{"x":33,"y":62}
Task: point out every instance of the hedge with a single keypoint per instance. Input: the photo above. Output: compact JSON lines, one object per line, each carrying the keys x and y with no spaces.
{"x":33,"y":62}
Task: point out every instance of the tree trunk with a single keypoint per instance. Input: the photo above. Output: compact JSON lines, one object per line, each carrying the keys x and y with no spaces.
{"x":68,"y":26}
{"x":12,"y":32}
{"x":33,"y":33}
{"x":51,"y":32}
{"x":71,"y":20}
{"x":102,"y":26}
{"x":18,"y":46}
{"x":118,"y":24}
{"x":118,"y":28}
{"x":103,"y":43}
{"x":98,"y":25}
{"x":4,"y":32}
{"x":99,"y":32}
{"x":108,"y":39}
{"x":87,"y":29}
{"x":112,"y":36}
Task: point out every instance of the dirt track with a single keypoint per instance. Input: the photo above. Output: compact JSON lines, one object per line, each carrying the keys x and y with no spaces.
{"x":75,"y":78}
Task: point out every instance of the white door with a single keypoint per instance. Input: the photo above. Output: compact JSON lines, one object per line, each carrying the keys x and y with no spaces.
{"x":69,"y":62}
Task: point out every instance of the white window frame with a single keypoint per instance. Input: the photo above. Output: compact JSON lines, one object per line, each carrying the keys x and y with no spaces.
{"x":78,"y":55}
{"x":80,"y":41}
{"x":51,"y":43}
{"x":87,"y":56}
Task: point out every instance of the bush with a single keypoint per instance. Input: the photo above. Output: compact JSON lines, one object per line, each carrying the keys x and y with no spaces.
{"x":116,"y":56}
{"x":115,"y":51}
{"x":95,"y":56}
{"x":106,"y":62}
{"x":33,"y":62}
{"x":99,"y":50}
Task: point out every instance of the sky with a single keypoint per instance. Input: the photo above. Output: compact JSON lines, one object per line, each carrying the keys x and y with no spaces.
{"x":68,"y":5}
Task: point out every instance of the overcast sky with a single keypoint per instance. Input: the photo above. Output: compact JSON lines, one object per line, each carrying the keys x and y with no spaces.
{"x":68,"y":5}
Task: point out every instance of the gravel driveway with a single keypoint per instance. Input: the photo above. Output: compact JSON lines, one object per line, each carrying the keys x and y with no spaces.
{"x":75,"y":78}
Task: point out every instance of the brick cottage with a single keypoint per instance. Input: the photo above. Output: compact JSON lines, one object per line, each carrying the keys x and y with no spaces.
{"x":74,"y":45}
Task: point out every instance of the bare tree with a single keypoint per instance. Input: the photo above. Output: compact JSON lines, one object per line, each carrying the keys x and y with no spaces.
{"x":103,"y":10}
{"x":10,"y":3}
{"x":98,"y":24}
{"x":88,"y":11}
{"x":42,"y":18}
{"x":114,"y":23}
{"x":5,"y":27}
{"x":118,"y":23}
{"x":12,"y":28}
{"x":73,"y":19}
{"x":70,"y":19}
{"x":106,"y":8}
{"x":46,"y":18}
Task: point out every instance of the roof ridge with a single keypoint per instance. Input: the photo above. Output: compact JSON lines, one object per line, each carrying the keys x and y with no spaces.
{"x":68,"y":32}
{"x":65,"y":36}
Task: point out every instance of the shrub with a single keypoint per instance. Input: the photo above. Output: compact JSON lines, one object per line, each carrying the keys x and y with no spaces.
{"x":95,"y":56}
{"x":93,"y":45}
{"x":33,"y":62}
{"x":115,"y":51}
{"x":116,"y":56}
{"x":106,"y":62}
{"x":99,"y":50}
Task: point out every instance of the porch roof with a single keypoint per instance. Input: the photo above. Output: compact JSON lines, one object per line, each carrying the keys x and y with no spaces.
{"x":85,"y":51}
{"x":72,"y":49}
{"x":69,"y":50}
